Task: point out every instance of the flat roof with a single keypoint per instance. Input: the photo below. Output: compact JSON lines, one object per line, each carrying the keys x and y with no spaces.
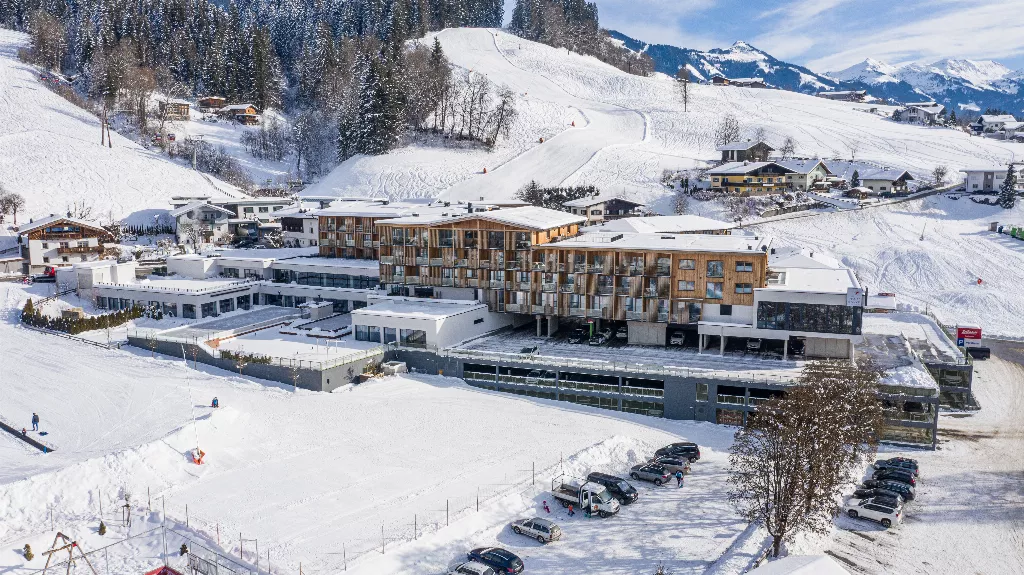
{"x":664,"y":242}
{"x":418,"y":308}
{"x":661,"y":224}
{"x":179,"y":285}
{"x":814,"y":280}
{"x":368,"y":267}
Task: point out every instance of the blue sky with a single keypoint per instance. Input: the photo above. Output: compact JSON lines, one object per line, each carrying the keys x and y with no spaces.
{"x":830,"y":35}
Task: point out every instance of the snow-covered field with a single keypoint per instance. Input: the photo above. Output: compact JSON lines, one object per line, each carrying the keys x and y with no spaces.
{"x":50,"y":153}
{"x":884,"y":246}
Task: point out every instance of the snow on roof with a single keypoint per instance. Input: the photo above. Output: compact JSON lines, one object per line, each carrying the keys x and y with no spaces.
{"x":801,"y":166}
{"x":931,"y":107}
{"x":985,"y":169}
{"x":888,"y":174}
{"x":233,"y":107}
{"x":329,"y":265}
{"x":43,"y":222}
{"x":865,"y":171}
{"x":802,"y":258}
{"x":603,"y":240}
{"x":414,"y":308}
{"x":734,"y":168}
{"x":1012,"y":125}
{"x":594,"y":200}
{"x":740,"y":145}
{"x":801,"y":565}
{"x":662,"y":224}
{"x":199,"y":205}
{"x":746,"y":80}
{"x":531,"y":217}
{"x":844,"y":93}
{"x":995,"y":118}
{"x":807,"y":271}
{"x":179,"y":101}
{"x":369,"y":208}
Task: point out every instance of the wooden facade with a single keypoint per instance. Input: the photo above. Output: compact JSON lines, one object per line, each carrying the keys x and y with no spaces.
{"x":350,"y":237}
{"x":526,"y":271}
{"x":758,"y":180}
{"x":63,"y":230}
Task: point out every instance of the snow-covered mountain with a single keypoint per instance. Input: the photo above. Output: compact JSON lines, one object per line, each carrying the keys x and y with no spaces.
{"x":741,"y":60}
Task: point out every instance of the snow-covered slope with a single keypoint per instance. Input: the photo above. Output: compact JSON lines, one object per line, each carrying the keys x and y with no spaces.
{"x":606,"y":148}
{"x":50,"y":153}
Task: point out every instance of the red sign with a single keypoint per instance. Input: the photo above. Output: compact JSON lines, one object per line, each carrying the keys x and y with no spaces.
{"x":968,"y":332}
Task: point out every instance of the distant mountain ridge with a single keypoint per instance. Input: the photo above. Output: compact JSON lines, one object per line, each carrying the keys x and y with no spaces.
{"x":960,"y":84}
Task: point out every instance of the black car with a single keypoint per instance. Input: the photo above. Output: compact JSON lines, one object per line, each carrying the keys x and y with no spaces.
{"x":907,"y":492}
{"x":869,"y":492}
{"x":887,"y":501}
{"x":899,"y":464}
{"x":895,"y":475}
{"x":501,"y":560}
{"x":579,"y":335}
{"x":618,"y":487}
{"x":979,"y":352}
{"x":684,"y":449}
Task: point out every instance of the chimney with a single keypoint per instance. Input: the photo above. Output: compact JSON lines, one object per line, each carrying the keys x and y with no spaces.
{"x":469,"y":207}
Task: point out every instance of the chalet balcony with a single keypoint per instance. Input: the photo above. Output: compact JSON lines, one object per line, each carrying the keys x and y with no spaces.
{"x":387,"y":260}
{"x":636,"y":270}
{"x":580,"y":268}
{"x":473,"y":282}
{"x":651,"y":292}
{"x":486,"y":265}
{"x":538,"y":266}
{"x":521,"y":286}
{"x":350,"y":243}
{"x":513,"y":266}
{"x":548,"y":287}
{"x":662,"y":316}
{"x":623,"y":290}
{"x":599,"y":313}
{"x":447,"y":282}
{"x":595,"y":269}
{"x":436,"y":262}
{"x":577,"y":312}
{"x":537,"y":309}
{"x":560,"y":267}
{"x":463,"y":263}
{"x":566,"y":288}
{"x":522,"y":245}
{"x":421,"y":261}
{"x":80,"y":250}
{"x":662,"y":271}
{"x":636,"y":315}
{"x":605,"y":290}
{"x":413,"y":280}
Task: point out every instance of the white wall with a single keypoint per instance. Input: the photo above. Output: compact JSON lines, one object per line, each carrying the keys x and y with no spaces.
{"x":443,"y":332}
{"x":191,"y":266}
{"x":740,"y":314}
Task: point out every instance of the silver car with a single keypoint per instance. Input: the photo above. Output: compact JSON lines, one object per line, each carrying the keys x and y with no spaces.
{"x":540,"y":529}
{"x":672,"y":464}
{"x":472,"y":568}
{"x":650,"y":472}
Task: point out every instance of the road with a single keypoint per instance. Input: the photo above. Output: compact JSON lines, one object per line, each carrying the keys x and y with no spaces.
{"x":551,"y":162}
{"x":969,"y":512}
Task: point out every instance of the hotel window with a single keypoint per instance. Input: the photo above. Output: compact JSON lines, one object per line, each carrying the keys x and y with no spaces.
{"x":687,"y":264}
{"x":209,"y":309}
{"x":374,"y":333}
{"x":686,"y":285}
{"x":247,"y":210}
{"x":170,"y":309}
{"x":231,"y":272}
{"x":744,"y":288}
{"x":595,"y":212}
{"x":101,"y":302}
{"x":744,"y":266}
{"x":188,"y":311}
{"x":702,"y":392}
{"x":714,"y":290}
{"x":716,"y":269}
{"x":362,"y":333}
{"x":264,"y":210}
{"x":390,"y":335}
{"x":413,"y":337}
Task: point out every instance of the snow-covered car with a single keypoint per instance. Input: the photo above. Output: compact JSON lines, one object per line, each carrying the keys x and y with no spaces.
{"x":540,"y":529}
{"x":472,"y":568}
{"x":887,"y":500}
{"x":866,"y":509}
{"x":499,"y":559}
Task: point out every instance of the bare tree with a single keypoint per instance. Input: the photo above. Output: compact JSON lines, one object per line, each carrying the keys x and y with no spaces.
{"x":80,"y":210}
{"x":759,"y":134}
{"x":241,"y":360}
{"x":681,"y":200}
{"x":790,"y":462}
{"x":788,"y":148}
{"x":49,"y":42}
{"x":683,"y":85}
{"x":939,"y":175}
{"x":728,"y":130}
{"x":11,"y":203}
{"x":503,"y":115}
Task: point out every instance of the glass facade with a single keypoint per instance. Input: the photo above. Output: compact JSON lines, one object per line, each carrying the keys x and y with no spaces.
{"x":325,"y":280}
{"x":809,"y":317}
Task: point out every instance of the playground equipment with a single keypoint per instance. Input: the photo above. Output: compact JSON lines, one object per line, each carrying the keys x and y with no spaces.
{"x":69,"y":546}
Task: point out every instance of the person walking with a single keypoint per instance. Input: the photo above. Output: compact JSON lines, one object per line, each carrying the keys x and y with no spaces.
{"x":546,"y":508}
{"x":35,"y":422}
{"x":571,"y":512}
{"x":679,"y":478}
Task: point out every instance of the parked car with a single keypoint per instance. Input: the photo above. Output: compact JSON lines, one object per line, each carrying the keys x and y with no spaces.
{"x":171,"y":137}
{"x":618,"y":487}
{"x":672,"y":463}
{"x":622,"y":333}
{"x":601,"y":337}
{"x":895,"y":475}
{"x":980,"y":352}
{"x":754,"y":344}
{"x":887,"y":516}
{"x":907,"y":492}
{"x":579,"y":335}
{"x":501,"y":560}
{"x":677,"y":338}
{"x":884,"y":500}
{"x":650,"y":472}
{"x":685,"y":449}
{"x":908,"y":466}
{"x":898,"y":458}
{"x":869,"y":492}
{"x":540,"y":529}
{"x":472,"y":568}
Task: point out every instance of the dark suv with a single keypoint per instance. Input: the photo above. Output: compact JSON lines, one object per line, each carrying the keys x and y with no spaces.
{"x":900,"y":464}
{"x":895,"y":475}
{"x":618,"y":487}
{"x":906,"y":491}
{"x":684,"y":450}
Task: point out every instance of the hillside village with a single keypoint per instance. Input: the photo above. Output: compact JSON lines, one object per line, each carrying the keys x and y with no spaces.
{"x":418,"y":293}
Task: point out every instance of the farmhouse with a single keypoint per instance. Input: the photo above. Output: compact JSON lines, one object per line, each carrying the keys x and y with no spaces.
{"x":806,"y":174}
{"x":601,"y":209}
{"x":242,"y":113}
{"x":987,"y":179}
{"x":993,"y":122}
{"x":749,"y":178}
{"x":211,"y":103}
{"x":59,"y":241}
{"x":922,"y":113}
{"x":176,"y":110}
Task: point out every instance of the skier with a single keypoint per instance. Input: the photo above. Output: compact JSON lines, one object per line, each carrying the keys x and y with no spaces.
{"x":679,"y":478}
{"x":216,"y":403}
{"x":35,"y":422}
{"x":571,"y":512}
{"x":546,"y":508}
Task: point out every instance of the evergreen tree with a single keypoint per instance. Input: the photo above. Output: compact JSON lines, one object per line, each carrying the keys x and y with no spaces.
{"x":952,"y":119}
{"x":1008,"y":191}
{"x":855,"y":179}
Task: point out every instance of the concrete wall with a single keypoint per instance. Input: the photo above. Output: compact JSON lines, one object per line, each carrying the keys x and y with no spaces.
{"x":458,"y":328}
{"x":191,"y":266}
{"x":646,"y":333}
{"x":827,"y":347}
{"x":740,"y":314}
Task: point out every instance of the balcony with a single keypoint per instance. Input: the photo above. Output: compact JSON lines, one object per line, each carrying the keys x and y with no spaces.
{"x":560,"y":267}
{"x":663,"y":316}
{"x":513,"y":265}
{"x":605,"y":290}
{"x":421,"y":261}
{"x":537,"y":309}
{"x":622,"y":290}
{"x":522,"y":245}
{"x":350,"y":243}
{"x":636,"y":270}
{"x":598,"y":313}
{"x":731,"y":399}
{"x":650,"y":292}
{"x":387,"y":260}
{"x":447,"y":282}
{"x":579,"y":268}
{"x":662,"y":271}
{"x":566,"y":288}
{"x":636,"y":316}
{"x":486,"y":264}
{"x":436,"y":262}
{"x":538,"y":266}
{"x":80,"y":250}
{"x":464,"y":263}
{"x":577,"y":312}
{"x":473,"y":282}
{"x":413,"y":280}
{"x":548,"y":287}
{"x":595,"y":269}
{"x":517,"y":308}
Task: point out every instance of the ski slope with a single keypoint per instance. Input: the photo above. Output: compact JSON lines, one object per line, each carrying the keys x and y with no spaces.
{"x":633,"y":128}
{"x":50,"y":153}
{"x":940,"y":272}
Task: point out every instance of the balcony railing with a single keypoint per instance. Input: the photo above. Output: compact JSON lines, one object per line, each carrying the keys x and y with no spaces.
{"x":485,"y":264}
{"x":647,"y":391}
{"x":517,"y":308}
{"x":548,"y":287}
{"x":598,"y":313}
{"x":731,"y":399}
{"x":577,"y":312}
{"x":580,"y":268}
{"x":636,"y":270}
{"x":595,"y":268}
{"x":447,"y":282}
{"x":650,"y":292}
{"x":80,"y":250}
{"x":387,"y":260}
{"x":413,"y":280}
{"x":350,"y":243}
{"x":605,"y":290}
{"x":421,"y":261}
{"x":663,"y":316}
{"x":473,"y":282}
{"x":463,"y":263}
{"x":566,"y":288}
{"x":636,"y":316}
{"x":538,"y":266}
{"x":622,"y":290}
{"x":662,"y":271}
{"x":436,"y":262}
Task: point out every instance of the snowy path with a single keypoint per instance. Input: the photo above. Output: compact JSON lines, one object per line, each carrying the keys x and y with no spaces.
{"x":968,"y":516}
{"x":556,"y":159}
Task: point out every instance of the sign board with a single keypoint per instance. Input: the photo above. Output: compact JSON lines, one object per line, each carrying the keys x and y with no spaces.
{"x":855,"y":297}
{"x":968,"y":336}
